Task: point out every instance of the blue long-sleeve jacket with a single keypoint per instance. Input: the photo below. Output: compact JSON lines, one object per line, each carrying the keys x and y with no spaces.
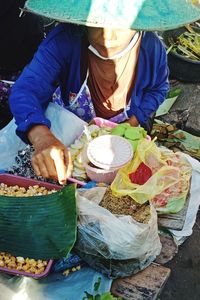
{"x":57,"y":61}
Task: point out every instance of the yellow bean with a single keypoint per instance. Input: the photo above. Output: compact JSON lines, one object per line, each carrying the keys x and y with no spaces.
{"x":20,"y":259}
{"x":41,"y":270}
{"x":2,"y":264}
{"x":40,"y":265}
{"x":25,"y":267}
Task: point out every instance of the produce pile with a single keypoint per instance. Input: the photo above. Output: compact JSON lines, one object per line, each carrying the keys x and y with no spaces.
{"x":16,"y":191}
{"x":126,"y":206}
{"x":176,"y":139}
{"x":22,"y":264}
{"x":78,"y":148}
{"x":187,"y":44}
{"x":179,"y":190}
{"x":157,"y":175}
{"x":132,"y":134}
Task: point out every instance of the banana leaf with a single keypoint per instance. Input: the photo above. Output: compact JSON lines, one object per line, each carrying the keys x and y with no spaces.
{"x":176,"y":139}
{"x":40,"y":227}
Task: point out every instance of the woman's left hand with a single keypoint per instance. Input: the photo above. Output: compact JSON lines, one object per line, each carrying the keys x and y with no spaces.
{"x":133,"y":121}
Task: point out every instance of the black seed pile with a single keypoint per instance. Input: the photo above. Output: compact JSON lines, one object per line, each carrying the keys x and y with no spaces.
{"x":23,"y":165}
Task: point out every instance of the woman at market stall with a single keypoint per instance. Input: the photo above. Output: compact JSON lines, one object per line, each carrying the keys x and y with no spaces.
{"x":117,"y":74}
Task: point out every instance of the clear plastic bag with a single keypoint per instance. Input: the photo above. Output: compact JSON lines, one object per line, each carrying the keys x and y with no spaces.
{"x":169,"y":184}
{"x":54,"y":287}
{"x":111,"y":237}
{"x":64,"y":124}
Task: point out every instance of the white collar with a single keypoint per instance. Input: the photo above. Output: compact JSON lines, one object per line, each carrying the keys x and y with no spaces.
{"x":119,"y":54}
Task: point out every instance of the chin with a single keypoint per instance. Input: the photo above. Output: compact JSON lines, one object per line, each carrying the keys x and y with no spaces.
{"x":107,"y":50}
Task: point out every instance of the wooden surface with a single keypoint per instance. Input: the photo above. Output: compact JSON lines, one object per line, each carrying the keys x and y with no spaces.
{"x":174,"y":221}
{"x":146,"y":285}
{"x":169,"y":250}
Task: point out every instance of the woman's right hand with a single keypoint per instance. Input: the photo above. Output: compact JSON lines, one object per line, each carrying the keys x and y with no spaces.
{"x":51,"y":158}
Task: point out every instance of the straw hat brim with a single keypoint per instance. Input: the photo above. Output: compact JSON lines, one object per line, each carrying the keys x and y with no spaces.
{"x":135,"y":14}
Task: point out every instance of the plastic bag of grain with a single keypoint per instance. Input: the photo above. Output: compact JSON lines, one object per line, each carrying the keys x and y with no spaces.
{"x":110,"y":242}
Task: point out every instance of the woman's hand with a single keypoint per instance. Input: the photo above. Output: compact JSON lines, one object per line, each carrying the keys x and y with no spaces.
{"x":133,"y":121}
{"x":51,"y":158}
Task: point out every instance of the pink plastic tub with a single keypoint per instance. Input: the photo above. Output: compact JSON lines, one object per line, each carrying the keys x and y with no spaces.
{"x":25,"y":182}
{"x":22,"y":273}
{"x":102,"y":122}
{"x":95,"y":174}
{"x":100,"y":175}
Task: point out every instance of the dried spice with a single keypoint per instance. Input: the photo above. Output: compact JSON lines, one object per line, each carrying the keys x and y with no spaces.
{"x":125,"y":205}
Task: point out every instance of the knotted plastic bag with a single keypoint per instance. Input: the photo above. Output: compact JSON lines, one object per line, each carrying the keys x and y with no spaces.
{"x":104,"y":237}
{"x":169,"y":184}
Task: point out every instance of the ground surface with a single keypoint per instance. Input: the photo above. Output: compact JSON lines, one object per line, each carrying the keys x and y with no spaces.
{"x":184,"y":281}
{"x":186,"y":111}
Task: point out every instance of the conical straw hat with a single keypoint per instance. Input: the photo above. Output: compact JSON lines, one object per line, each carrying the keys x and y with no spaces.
{"x":136,"y":14}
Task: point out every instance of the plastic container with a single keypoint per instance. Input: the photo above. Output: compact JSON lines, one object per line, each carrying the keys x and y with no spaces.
{"x":22,"y":273}
{"x":107,"y":153}
{"x":25,"y":182}
{"x":100,"y":175}
{"x":96,"y":174}
{"x":102,"y":122}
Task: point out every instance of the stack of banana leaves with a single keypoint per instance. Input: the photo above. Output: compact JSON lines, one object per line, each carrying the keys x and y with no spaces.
{"x":177,"y":140}
{"x":187,"y":44}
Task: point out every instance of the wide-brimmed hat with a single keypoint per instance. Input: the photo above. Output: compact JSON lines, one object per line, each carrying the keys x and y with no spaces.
{"x":136,"y":14}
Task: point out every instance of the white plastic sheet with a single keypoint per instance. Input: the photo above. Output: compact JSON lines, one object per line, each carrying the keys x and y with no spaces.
{"x":54,"y":287}
{"x":64,"y":124}
{"x":194,"y":201}
{"x":10,"y":143}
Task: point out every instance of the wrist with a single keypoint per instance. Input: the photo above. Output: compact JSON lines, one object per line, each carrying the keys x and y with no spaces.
{"x":133,"y":121}
{"x":37,"y":132}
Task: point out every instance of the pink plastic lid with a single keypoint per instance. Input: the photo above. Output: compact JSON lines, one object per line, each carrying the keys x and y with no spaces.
{"x":109,"y":152}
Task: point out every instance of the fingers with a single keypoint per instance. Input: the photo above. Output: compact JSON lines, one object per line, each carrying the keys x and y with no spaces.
{"x":52,"y":161}
{"x":68,"y":162}
{"x":35,"y":166}
{"x":39,"y":166}
{"x":50,"y":166}
{"x":59,"y":160}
